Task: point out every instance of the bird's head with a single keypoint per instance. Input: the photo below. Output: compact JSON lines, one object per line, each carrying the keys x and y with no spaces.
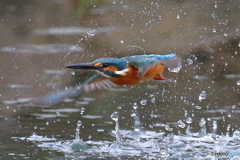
{"x":108,"y":67}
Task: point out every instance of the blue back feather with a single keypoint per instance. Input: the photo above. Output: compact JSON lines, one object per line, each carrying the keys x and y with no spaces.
{"x":146,"y":60}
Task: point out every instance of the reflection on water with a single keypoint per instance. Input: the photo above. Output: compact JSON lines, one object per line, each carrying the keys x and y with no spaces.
{"x":188,"y":116}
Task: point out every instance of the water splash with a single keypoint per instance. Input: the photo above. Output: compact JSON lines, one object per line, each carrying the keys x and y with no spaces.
{"x":137,"y":123}
{"x":78,"y":145}
{"x":236,"y":135}
{"x":188,"y":130}
{"x":176,"y":69}
{"x":119,"y":143}
{"x":79,"y":124}
{"x":72,"y":49}
{"x":214,"y":126}
{"x":137,"y":132}
{"x":203,"y":130}
{"x":181,"y":124}
{"x":115,"y":117}
{"x":162,"y":145}
{"x":168,"y":128}
{"x":216,"y":142}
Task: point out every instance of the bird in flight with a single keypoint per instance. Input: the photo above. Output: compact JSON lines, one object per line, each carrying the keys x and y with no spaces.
{"x":113,"y":72}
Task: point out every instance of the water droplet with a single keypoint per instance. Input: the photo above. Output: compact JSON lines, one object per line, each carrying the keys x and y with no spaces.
{"x":214,"y":16}
{"x":79,"y":123}
{"x":202,"y":95}
{"x":91,"y":33}
{"x":34,"y":134}
{"x":189,"y":61}
{"x":143,"y":102}
{"x":238,"y":82}
{"x":202,"y":122}
{"x":229,"y":115}
{"x":82,"y":110}
{"x":197,"y":107}
{"x":115,"y":116}
{"x":236,"y":134}
{"x":153,"y":100}
{"x":214,"y":124}
{"x":189,"y":120}
{"x":181,"y":124}
{"x":133,"y":115}
{"x":234,"y":106}
{"x":203,"y":130}
{"x":228,"y":127}
{"x":73,"y":73}
{"x":185,"y":113}
{"x":135,"y":106}
{"x":168,"y":128}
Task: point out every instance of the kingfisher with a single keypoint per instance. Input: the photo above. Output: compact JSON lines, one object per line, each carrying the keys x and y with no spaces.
{"x":113,"y":72}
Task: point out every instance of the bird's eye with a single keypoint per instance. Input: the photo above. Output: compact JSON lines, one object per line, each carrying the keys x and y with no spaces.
{"x":105,"y":65}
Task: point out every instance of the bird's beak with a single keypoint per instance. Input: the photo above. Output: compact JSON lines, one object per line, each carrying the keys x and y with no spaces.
{"x":82,"y":66}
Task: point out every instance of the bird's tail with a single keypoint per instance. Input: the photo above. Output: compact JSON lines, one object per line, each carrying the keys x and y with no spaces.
{"x":172,"y":61}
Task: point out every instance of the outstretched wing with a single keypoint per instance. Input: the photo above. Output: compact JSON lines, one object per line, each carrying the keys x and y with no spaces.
{"x":95,"y":82}
{"x":146,"y":62}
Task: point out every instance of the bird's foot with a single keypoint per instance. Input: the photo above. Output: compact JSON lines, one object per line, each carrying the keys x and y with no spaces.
{"x":159,"y":78}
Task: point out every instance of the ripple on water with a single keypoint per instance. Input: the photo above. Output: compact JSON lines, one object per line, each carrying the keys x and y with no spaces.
{"x":57,"y":113}
{"x":62,"y":110}
{"x":43,"y":116}
{"x":18,"y":86}
{"x":20,"y":100}
{"x":72,"y":30}
{"x":143,"y":144}
{"x":42,"y":49}
{"x":92,"y":116}
{"x":231,"y":76}
{"x":52,"y":71}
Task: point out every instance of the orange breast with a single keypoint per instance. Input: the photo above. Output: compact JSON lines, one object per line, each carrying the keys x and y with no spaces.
{"x":131,"y":78}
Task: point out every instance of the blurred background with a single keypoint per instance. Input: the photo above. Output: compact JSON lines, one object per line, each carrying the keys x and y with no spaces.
{"x":38,"y":38}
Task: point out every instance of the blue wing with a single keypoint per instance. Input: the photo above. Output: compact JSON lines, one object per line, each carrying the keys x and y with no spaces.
{"x":146,"y":62}
{"x":95,"y":82}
